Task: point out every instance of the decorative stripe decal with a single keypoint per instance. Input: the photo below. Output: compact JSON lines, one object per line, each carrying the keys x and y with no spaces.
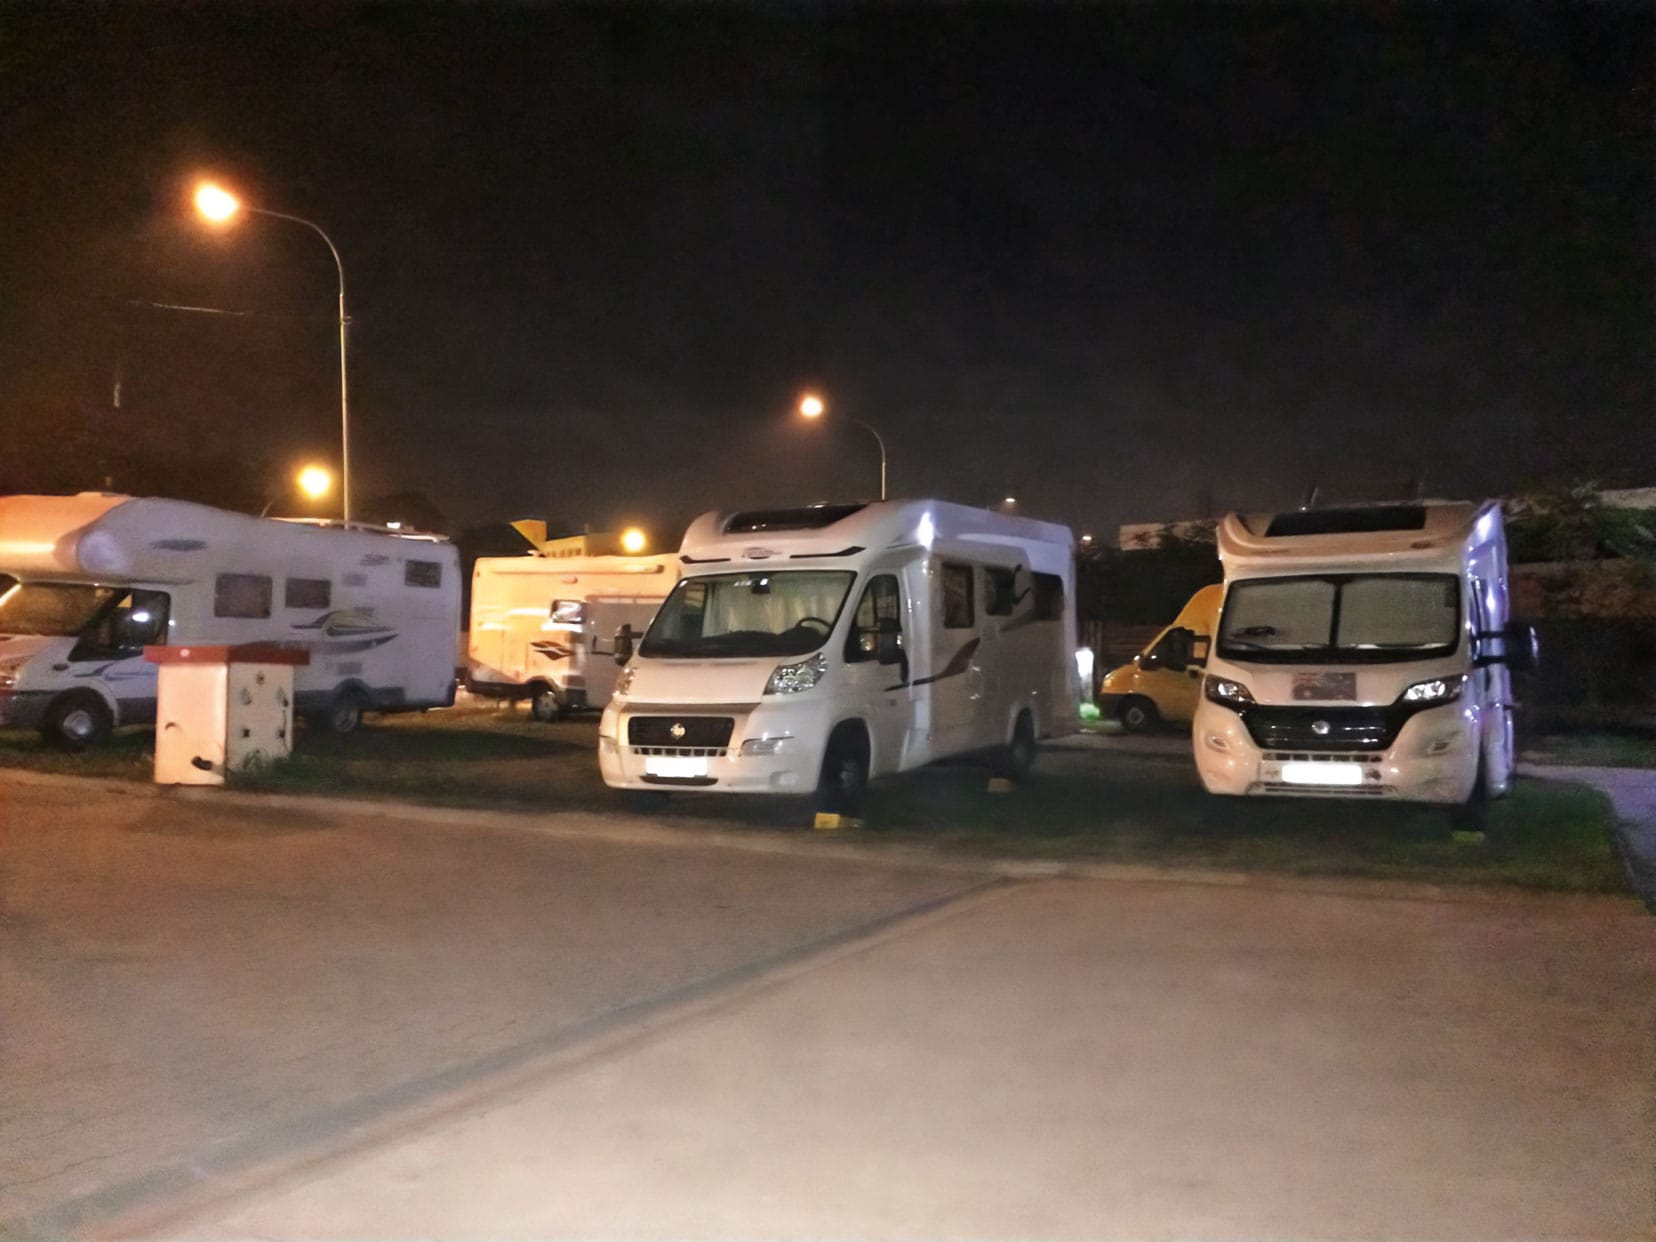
{"x":957,"y":665}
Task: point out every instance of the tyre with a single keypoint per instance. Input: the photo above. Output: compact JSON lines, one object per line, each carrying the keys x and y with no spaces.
{"x":1018,"y":755}
{"x":547,"y":704}
{"x":844,"y":777}
{"x":1138,"y":715}
{"x":343,"y":714}
{"x":78,"y":720}
{"x":1473,"y":814}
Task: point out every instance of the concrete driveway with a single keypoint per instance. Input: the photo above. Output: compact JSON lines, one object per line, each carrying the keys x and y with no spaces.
{"x":233,"y":1019}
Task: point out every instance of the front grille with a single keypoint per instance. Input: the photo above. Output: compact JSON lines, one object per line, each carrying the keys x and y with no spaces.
{"x":696,"y":732}
{"x":1308,"y":756}
{"x":1325,"y":791}
{"x":1348,"y":728}
{"x":683,"y":752}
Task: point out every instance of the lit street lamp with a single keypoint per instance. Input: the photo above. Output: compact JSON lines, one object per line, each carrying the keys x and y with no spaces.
{"x":633,"y":541}
{"x":813,"y":406}
{"x":219,"y":206}
{"x":315,"y":481}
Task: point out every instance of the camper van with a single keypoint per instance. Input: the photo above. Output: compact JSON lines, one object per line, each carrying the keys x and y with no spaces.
{"x":807,"y":650}
{"x":1145,"y":692}
{"x":88,"y":581}
{"x":1362,"y":653}
{"x":543,"y":628}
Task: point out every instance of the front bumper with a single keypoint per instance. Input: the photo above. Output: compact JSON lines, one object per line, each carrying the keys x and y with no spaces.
{"x":774,"y":748}
{"x":24,"y":709}
{"x":1434,"y":758}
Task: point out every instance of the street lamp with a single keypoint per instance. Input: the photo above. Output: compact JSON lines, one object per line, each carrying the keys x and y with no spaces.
{"x":812,"y":406}
{"x":633,"y":541}
{"x":219,"y":206}
{"x":314,"y":481}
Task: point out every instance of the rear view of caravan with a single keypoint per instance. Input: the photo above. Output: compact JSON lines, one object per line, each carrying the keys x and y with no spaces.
{"x":543,"y":628}
{"x":810,"y":650}
{"x":88,"y":581}
{"x":1362,"y":653}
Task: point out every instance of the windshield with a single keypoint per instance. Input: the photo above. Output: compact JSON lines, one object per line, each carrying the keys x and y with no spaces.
{"x":786,"y":613}
{"x":1341,"y":618}
{"x":50,"y":609}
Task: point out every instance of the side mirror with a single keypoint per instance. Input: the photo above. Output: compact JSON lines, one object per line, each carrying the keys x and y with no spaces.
{"x":624,"y":643}
{"x":1176,"y":649}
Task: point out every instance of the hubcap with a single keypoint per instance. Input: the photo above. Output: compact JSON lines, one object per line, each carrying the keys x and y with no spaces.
{"x":78,"y":724}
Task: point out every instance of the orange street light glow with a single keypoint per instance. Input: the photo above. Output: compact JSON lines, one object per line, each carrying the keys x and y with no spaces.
{"x":632,"y":541}
{"x":811,"y":406}
{"x":216,"y":203}
{"x":315,"y":482}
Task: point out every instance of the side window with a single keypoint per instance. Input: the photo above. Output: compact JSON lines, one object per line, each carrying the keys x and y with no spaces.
{"x":997,"y":591}
{"x":958,"y":611}
{"x":241,"y":595}
{"x":879,"y":610}
{"x":138,"y":620}
{"x":307,"y":593}
{"x":1049,"y":597}
{"x":423,"y":574}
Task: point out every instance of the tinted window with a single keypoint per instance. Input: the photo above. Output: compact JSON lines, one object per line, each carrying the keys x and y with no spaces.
{"x":307,"y":593}
{"x":241,"y":595}
{"x":958,"y":610}
{"x":1049,"y":597}
{"x":423,"y":574}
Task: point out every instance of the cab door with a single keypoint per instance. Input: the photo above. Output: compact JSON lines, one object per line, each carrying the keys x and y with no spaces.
{"x":110,"y":652}
{"x":877,"y":669}
{"x":1174,"y":691}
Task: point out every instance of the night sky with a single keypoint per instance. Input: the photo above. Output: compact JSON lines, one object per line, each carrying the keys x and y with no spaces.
{"x":1126,"y":263}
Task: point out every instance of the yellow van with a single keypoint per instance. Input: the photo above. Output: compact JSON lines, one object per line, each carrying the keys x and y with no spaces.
{"x":1143,"y":693}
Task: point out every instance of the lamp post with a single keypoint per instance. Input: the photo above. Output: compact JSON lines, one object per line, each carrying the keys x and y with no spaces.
{"x":812,"y":406}
{"x":219,"y":205}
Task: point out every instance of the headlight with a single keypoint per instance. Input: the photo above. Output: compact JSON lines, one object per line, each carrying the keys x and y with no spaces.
{"x":792,"y":678}
{"x":8,"y":678}
{"x":1225,"y":692}
{"x":1438,"y":690}
{"x":623,"y":683}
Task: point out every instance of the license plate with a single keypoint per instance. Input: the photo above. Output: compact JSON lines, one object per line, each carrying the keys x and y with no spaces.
{"x":674,"y":766}
{"x":1322,"y":774}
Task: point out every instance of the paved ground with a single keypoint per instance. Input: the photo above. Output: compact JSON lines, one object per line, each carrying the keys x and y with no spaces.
{"x":227,"y":1019}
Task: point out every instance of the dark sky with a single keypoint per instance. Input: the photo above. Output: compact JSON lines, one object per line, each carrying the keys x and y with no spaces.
{"x":1122,"y":262}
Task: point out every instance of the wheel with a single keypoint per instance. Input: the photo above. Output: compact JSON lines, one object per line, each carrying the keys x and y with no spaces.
{"x":78,"y":720}
{"x":1138,"y":715}
{"x":1018,"y":755}
{"x":1473,"y":814}
{"x":547,"y":704}
{"x":844,"y":777}
{"x":343,"y":713}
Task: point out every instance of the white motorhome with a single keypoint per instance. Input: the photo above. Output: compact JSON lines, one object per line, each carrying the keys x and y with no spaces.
{"x":88,"y":581}
{"x":543,"y":628}
{"x":1362,"y":653}
{"x":808,"y":650}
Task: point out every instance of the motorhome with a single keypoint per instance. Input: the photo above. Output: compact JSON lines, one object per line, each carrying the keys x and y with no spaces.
{"x":808,"y":650}
{"x":88,"y":581}
{"x":1362,"y":653}
{"x":1145,"y":692}
{"x":543,"y":628}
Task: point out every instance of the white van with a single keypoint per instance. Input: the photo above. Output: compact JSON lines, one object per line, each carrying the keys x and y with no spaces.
{"x":543,"y":628}
{"x":1363,"y":653}
{"x":88,"y":581}
{"x":808,"y":650}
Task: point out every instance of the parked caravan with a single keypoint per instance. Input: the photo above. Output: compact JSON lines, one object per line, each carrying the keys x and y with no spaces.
{"x":1362,"y":652}
{"x":543,"y":628}
{"x":1146,"y":692}
{"x":809,"y":650}
{"x":88,"y":581}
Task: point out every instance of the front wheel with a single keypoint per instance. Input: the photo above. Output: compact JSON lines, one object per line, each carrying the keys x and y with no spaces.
{"x":1138,"y":715}
{"x":78,"y":721}
{"x":546,"y":704}
{"x":844,"y":777}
